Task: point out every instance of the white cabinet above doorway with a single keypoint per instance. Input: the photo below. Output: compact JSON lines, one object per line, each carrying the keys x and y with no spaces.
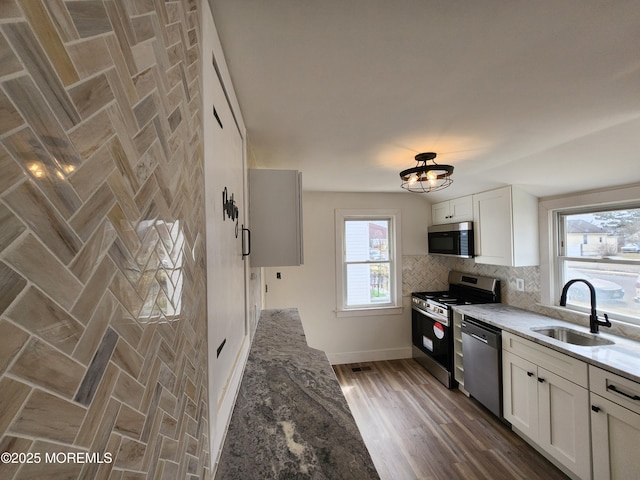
{"x":452,"y":211}
{"x":275,"y":216}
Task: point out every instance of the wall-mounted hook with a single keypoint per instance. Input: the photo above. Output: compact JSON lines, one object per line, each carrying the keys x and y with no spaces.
{"x":229,"y":208}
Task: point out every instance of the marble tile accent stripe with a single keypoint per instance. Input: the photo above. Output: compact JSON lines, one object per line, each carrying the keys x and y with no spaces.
{"x":96,"y":369}
{"x":102,"y":270}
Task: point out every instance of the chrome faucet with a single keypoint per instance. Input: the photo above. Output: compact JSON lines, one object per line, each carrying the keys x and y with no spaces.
{"x":594,"y":323}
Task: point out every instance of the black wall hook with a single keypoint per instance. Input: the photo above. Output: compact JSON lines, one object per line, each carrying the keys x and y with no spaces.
{"x":229,"y":208}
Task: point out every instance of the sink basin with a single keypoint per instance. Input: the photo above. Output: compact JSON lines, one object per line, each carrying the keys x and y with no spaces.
{"x":574,"y":337}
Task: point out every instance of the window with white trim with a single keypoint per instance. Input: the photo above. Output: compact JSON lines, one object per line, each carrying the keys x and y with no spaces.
{"x":367,"y":262}
{"x":602,"y":246}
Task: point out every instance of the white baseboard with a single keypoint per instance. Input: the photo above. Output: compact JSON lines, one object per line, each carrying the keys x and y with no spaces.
{"x":369,"y":356}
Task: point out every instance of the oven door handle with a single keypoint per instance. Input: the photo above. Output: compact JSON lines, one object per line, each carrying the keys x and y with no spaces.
{"x":443,"y":320}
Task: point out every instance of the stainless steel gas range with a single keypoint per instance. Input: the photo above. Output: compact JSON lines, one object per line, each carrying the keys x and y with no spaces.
{"x":432,"y":320}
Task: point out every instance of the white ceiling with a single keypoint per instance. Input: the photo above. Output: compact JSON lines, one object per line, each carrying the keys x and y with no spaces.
{"x":543,"y":94}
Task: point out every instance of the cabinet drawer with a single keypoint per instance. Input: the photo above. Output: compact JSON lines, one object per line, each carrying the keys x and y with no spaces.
{"x":563,"y":365}
{"x":618,"y":389}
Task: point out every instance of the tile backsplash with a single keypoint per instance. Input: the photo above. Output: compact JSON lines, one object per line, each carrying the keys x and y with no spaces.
{"x":102,"y":288}
{"x":429,"y":272}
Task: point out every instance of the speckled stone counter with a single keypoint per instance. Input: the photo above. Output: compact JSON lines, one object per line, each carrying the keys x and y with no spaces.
{"x":291,"y":420}
{"x":623,"y":357}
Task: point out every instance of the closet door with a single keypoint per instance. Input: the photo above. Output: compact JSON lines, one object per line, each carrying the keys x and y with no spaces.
{"x":224,"y":177}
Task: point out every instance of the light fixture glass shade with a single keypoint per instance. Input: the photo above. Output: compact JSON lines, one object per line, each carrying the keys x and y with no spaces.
{"x":425,"y":178}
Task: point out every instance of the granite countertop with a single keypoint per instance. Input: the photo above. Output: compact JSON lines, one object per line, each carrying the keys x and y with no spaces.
{"x":623,"y":357}
{"x":291,"y":419}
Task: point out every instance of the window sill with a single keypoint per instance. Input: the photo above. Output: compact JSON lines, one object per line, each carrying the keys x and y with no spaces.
{"x":369,"y":312}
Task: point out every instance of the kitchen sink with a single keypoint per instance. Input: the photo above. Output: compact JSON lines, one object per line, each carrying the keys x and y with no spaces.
{"x":574,"y":337}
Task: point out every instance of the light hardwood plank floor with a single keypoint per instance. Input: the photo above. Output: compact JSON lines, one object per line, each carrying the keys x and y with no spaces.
{"x":415,"y":428}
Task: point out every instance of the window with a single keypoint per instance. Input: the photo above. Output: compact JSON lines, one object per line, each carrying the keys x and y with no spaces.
{"x":603,"y":247}
{"x":366,"y":263}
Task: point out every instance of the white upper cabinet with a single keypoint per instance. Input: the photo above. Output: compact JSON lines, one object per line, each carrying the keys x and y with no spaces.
{"x":275,"y":216}
{"x":506,"y":227}
{"x":452,"y":211}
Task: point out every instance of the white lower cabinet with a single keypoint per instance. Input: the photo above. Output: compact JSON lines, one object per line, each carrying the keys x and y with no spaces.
{"x":546,"y":401}
{"x":564,"y":422}
{"x":520,"y":394}
{"x":615,"y":426}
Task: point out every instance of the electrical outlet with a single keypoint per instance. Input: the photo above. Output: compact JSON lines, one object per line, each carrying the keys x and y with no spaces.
{"x":520,"y":284}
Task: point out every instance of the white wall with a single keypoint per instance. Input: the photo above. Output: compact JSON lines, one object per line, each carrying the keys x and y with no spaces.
{"x":312,"y":287}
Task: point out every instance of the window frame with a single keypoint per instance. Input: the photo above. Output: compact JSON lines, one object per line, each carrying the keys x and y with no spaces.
{"x":560,"y":257}
{"x":393,"y":216}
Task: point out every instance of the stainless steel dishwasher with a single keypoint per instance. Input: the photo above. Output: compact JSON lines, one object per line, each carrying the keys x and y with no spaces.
{"x":482,"y":360}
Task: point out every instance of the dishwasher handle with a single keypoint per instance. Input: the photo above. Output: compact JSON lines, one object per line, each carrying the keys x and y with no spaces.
{"x":481,"y":332}
{"x":477,"y":337}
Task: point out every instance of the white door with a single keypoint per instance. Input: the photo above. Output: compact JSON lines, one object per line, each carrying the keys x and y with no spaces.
{"x":224,"y":176}
{"x":493,"y":230}
{"x":615,"y":436}
{"x":520,"y":394}
{"x":461,"y":209}
{"x":224,"y":180}
{"x":564,"y":422}
{"x":440,"y":213}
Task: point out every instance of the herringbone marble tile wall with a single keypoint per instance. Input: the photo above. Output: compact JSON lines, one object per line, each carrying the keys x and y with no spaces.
{"x":102,"y":288}
{"x":430,"y":272}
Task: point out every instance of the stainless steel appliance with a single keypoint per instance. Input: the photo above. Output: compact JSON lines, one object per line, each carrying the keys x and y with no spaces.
{"x":432,"y":320}
{"x":451,"y":239}
{"x":481,"y":345}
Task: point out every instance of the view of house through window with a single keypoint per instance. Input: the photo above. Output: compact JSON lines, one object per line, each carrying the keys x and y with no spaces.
{"x":602,"y":247}
{"x":367,"y":262}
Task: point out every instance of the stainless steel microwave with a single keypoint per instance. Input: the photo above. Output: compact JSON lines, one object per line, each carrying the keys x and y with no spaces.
{"x":453,"y":239}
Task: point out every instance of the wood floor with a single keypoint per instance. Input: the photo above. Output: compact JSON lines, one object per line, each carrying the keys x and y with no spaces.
{"x":415,"y":428}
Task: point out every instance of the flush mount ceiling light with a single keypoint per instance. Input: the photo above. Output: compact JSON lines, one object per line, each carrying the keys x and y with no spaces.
{"x":425,"y":178}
